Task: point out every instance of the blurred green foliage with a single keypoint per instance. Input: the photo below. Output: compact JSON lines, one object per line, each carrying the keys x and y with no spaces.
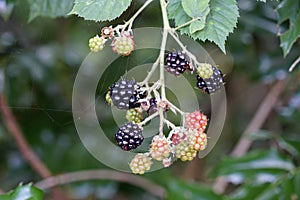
{"x":40,"y":60}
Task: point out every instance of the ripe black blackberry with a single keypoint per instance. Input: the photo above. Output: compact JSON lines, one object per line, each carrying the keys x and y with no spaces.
{"x":176,"y":63}
{"x":121,"y":92}
{"x":129,"y":136}
{"x":212,"y":84}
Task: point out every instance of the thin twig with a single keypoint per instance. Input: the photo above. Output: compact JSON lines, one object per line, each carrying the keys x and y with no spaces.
{"x":150,"y":73}
{"x":131,"y":20}
{"x":148,"y":119}
{"x":256,"y":123}
{"x":187,"y":23}
{"x":295,"y":63}
{"x":102,"y":175}
{"x":175,"y":108}
{"x":163,"y":6}
{"x":184,"y":49}
{"x":25,"y":149}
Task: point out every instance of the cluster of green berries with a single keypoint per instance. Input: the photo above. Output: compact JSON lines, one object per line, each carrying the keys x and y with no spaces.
{"x":209,"y":78}
{"x":122,"y":43}
{"x":184,"y":144}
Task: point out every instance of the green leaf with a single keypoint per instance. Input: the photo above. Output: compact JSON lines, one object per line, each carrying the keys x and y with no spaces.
{"x":197,"y":25}
{"x":248,"y":191}
{"x":176,"y":12}
{"x":289,"y":10}
{"x":195,"y":8}
{"x":178,"y":190}
{"x":286,"y":186}
{"x":290,"y":144}
{"x":100,"y":10}
{"x":260,"y":166}
{"x":220,"y":21}
{"x":24,"y":192}
{"x":49,"y":8}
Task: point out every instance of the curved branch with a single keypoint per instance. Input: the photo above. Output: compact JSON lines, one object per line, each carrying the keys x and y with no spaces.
{"x":22,"y":144}
{"x":256,"y":123}
{"x":102,"y":175}
{"x":25,"y":149}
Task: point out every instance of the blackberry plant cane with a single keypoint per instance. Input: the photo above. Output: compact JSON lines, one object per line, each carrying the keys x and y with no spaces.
{"x":144,"y":101}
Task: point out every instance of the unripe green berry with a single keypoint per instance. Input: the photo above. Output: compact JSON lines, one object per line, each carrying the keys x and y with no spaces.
{"x":140,"y":163}
{"x":123,"y":45}
{"x":108,"y":99}
{"x":205,"y":70}
{"x":184,"y":151}
{"x":133,"y":115}
{"x":96,"y":43}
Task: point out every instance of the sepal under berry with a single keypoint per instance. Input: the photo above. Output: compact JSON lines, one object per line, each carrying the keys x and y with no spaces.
{"x":140,"y":163}
{"x":107,"y":32}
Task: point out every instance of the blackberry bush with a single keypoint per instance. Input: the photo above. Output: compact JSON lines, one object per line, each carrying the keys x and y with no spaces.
{"x":145,"y":101}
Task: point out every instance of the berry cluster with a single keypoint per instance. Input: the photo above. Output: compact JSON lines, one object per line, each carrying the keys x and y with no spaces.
{"x":122,"y":43}
{"x":142,"y":103}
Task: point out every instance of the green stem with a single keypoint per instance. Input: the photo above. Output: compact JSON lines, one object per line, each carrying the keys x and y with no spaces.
{"x":148,"y":119}
{"x":170,"y":124}
{"x":150,"y":73}
{"x":166,"y":24}
{"x":161,"y":121}
{"x":175,"y":108}
{"x":131,"y":20}
{"x":186,"y":24}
